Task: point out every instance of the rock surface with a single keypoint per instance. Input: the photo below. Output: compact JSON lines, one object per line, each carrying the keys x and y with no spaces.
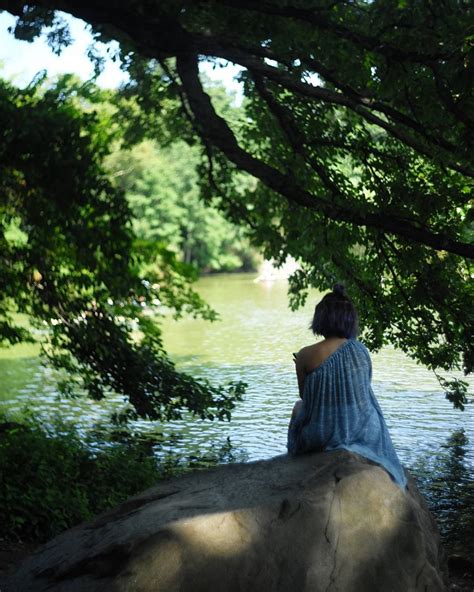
{"x":323,"y":522}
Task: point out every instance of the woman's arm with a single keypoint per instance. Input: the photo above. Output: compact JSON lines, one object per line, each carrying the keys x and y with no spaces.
{"x":300,"y":370}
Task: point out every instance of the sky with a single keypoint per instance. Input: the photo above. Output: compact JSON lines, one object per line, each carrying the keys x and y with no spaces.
{"x":20,"y":61}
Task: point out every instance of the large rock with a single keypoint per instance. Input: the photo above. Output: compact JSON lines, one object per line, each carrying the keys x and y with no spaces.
{"x":331,"y":521}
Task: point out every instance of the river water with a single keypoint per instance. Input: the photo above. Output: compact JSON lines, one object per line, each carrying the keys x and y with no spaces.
{"x":253,"y":342}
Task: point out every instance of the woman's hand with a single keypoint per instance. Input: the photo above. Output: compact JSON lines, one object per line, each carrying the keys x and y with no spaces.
{"x":296,"y":409}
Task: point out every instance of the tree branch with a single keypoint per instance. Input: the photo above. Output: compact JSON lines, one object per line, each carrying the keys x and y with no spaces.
{"x":216,"y":129}
{"x":337,"y":98}
{"x":162,"y":35}
{"x":315,"y":16}
{"x":360,"y":102}
{"x":368,"y":101}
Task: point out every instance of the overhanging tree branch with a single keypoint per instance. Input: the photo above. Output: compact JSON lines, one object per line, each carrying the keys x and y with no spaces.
{"x":368,"y":100}
{"x":215,"y":128}
{"x":316,"y":16}
{"x":296,"y":138}
{"x":152,"y":38}
{"x":297,"y":141}
{"x":338,"y":98}
{"x":357,"y":100}
{"x":161,"y":34}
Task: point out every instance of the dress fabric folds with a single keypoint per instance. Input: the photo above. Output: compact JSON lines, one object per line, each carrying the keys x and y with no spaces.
{"x":340,"y":411}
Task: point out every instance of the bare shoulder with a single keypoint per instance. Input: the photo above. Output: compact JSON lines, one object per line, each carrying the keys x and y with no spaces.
{"x":304,"y":352}
{"x":309,"y":350}
{"x":310,"y":355}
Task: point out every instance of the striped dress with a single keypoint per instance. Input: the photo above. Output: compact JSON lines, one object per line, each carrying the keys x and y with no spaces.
{"x":340,"y":411}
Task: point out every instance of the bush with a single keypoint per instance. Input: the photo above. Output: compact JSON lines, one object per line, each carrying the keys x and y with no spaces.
{"x":50,"y":481}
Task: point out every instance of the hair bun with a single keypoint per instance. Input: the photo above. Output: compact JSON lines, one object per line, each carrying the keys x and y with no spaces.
{"x":339,"y":290}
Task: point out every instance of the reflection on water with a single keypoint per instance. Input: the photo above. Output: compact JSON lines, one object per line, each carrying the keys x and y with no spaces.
{"x":254,"y":342}
{"x":446,"y":479}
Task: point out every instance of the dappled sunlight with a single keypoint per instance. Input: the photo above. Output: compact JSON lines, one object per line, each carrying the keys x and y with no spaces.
{"x":223,"y":534}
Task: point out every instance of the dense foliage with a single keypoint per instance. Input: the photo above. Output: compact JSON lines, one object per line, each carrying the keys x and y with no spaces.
{"x":62,"y":482}
{"x":358,"y":127}
{"x":70,"y":261}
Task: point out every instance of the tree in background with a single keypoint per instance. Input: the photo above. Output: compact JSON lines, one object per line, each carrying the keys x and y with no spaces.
{"x":161,"y":186}
{"x":357,"y":126}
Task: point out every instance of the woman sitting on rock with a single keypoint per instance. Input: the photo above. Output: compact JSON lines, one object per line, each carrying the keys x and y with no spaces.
{"x":338,"y":407}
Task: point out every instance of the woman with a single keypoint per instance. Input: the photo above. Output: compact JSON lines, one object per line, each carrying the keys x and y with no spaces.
{"x":338,"y":407}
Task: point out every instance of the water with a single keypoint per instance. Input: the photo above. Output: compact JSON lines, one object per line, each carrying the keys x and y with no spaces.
{"x":254,"y":341}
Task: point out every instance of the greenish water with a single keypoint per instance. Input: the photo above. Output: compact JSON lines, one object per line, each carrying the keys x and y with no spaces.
{"x":254,"y":341}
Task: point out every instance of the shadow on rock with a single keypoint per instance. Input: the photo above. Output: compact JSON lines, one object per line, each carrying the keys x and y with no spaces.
{"x":319,"y":522}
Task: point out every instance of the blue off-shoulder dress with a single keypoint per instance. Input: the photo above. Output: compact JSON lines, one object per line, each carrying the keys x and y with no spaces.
{"x":340,"y":411}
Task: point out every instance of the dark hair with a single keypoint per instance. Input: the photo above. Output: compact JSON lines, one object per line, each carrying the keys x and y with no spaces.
{"x":335,"y":315}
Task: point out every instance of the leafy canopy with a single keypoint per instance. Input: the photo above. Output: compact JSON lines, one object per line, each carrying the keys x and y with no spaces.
{"x":357,"y":126}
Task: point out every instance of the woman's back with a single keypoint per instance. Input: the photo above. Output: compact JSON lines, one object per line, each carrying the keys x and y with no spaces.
{"x":340,"y":410}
